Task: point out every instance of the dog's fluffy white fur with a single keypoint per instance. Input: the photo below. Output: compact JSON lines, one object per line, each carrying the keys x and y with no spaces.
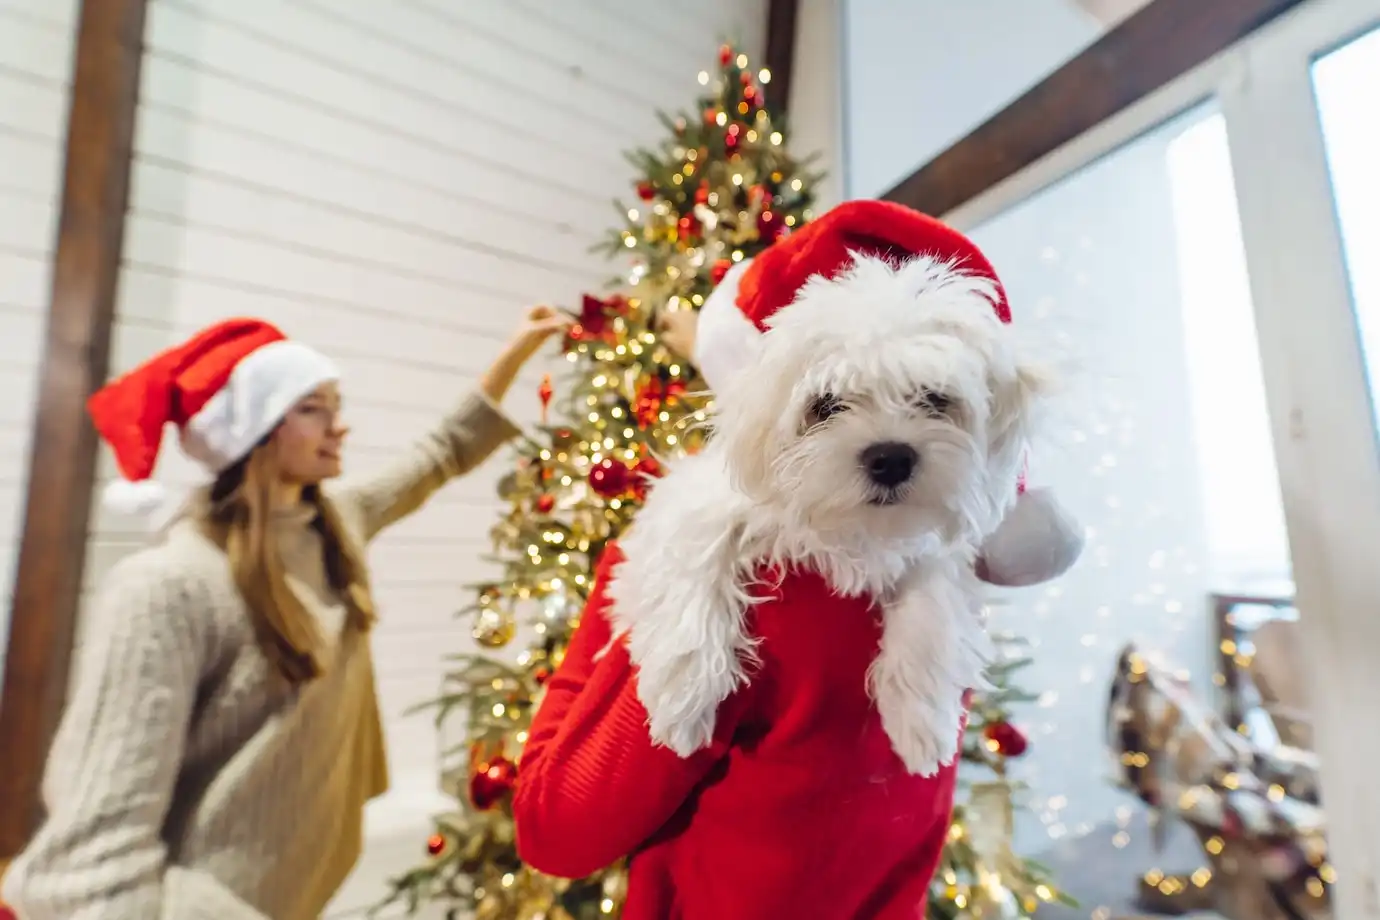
{"x":910,"y":355}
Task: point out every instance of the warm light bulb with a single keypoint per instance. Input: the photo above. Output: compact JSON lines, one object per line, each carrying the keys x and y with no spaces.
{"x":764,"y":76}
{"x":704,"y":78}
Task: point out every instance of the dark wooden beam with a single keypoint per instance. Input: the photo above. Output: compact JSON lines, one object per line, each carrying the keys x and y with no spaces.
{"x":62,"y":460}
{"x":1148,"y":50}
{"x":781,"y":20}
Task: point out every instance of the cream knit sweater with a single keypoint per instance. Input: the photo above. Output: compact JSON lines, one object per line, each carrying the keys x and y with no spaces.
{"x":189,"y":782}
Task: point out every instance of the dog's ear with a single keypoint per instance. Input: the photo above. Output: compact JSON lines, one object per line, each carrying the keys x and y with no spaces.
{"x":1020,"y":401}
{"x":754,"y":416}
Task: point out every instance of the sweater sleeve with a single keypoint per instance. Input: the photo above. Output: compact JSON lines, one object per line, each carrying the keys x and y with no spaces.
{"x":464,"y":439}
{"x":116,"y":758}
{"x":592,"y":786}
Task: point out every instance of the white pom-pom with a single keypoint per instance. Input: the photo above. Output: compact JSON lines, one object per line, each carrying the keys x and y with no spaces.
{"x":140,"y":498}
{"x":1037,"y":541}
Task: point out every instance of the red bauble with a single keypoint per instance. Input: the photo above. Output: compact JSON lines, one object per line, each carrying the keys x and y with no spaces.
{"x":545,"y":503}
{"x":750,"y":95}
{"x":1008,"y":740}
{"x":491,"y":781}
{"x":769,"y":226}
{"x":435,"y":845}
{"x":646,"y":191}
{"x":609,"y":478}
{"x":745,"y":78}
{"x":719,"y":269}
{"x":725,"y":54}
{"x":688,"y":228}
{"x":541,"y":675}
{"x":702,"y":193}
{"x":711,"y":116}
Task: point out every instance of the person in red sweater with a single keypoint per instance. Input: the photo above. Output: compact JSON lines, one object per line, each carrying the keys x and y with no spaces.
{"x":765,"y":697}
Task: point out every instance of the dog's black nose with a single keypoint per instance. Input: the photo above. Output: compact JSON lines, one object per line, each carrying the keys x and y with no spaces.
{"x":889,"y":463}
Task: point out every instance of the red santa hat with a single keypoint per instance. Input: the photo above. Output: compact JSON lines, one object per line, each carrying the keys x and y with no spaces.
{"x":225,"y":389}
{"x":1038,"y":540}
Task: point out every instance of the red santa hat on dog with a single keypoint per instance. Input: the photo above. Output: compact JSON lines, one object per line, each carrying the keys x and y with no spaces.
{"x":225,"y":389}
{"x":1038,"y":540}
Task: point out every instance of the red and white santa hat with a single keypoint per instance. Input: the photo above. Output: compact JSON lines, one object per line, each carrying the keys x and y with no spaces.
{"x":225,"y":389}
{"x":736,"y":313}
{"x":1038,"y":540}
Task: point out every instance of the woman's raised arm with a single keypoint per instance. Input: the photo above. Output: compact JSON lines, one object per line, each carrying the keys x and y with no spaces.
{"x":465,"y":438}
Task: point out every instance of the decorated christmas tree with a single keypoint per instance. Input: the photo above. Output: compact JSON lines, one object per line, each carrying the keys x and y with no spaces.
{"x":719,"y":189}
{"x":979,"y":876}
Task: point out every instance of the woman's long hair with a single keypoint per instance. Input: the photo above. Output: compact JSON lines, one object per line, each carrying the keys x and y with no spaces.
{"x":237,"y":516}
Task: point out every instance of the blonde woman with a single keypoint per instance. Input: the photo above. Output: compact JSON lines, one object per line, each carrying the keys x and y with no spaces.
{"x":223,"y":735}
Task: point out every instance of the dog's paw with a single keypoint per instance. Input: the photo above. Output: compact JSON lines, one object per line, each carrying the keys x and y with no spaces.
{"x":684,"y":737}
{"x":927,"y":738}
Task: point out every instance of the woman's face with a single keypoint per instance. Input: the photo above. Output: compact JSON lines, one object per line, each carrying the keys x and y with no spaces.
{"x":310,"y":438}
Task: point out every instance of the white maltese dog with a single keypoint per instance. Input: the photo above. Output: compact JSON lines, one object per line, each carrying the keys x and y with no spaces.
{"x":876,"y":437}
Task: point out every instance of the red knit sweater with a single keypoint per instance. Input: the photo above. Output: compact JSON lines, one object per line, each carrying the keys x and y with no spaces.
{"x":799,"y":808}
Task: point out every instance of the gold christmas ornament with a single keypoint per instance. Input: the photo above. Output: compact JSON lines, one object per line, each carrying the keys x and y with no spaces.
{"x":494,"y":627}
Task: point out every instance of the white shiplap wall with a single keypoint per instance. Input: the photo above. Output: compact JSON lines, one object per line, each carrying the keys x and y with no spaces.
{"x":391,"y":182}
{"x":36,"y":42}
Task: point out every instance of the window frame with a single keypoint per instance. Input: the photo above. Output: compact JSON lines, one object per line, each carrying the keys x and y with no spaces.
{"x":1322,"y":422}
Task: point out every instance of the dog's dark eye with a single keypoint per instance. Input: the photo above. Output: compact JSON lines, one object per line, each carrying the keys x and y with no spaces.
{"x":933,"y":403}
{"x":824,"y":407}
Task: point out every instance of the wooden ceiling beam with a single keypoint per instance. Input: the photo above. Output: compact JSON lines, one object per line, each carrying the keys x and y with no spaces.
{"x":782,"y":16}
{"x":1152,"y":47}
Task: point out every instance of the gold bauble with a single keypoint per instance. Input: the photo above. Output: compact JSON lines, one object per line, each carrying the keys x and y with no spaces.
{"x":494,"y":627}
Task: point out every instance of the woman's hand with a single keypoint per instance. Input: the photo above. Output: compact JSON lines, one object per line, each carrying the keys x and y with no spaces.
{"x":540,"y":323}
{"x":677,"y":331}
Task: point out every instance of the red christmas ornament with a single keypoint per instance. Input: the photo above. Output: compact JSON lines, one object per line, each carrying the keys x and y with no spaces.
{"x":593,"y":324}
{"x":688,"y":228}
{"x":1007,"y":739}
{"x":725,"y":54}
{"x":702,"y":193}
{"x":545,"y":503}
{"x":435,"y":845}
{"x":541,"y":675}
{"x":491,"y":781}
{"x":719,"y":269}
{"x":649,"y":466}
{"x":647,"y":469}
{"x":750,"y":95}
{"x":711,"y":116}
{"x":609,"y":478}
{"x":645,"y":191}
{"x":745,"y":78}
{"x":769,"y":226}
{"x":544,"y":392}
{"x":648,"y":404}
